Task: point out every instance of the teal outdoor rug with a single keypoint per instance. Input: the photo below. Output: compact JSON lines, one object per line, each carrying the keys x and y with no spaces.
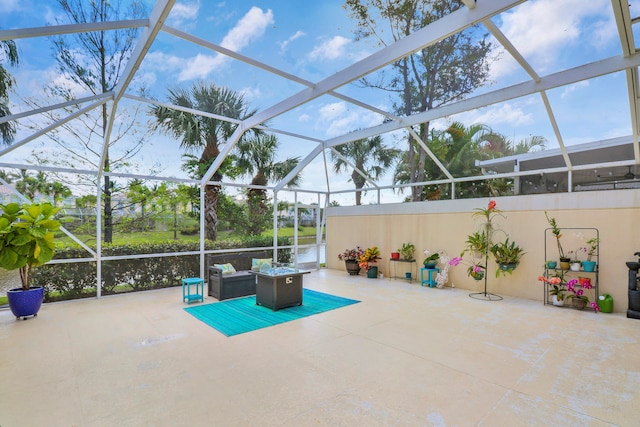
{"x":240,"y":315}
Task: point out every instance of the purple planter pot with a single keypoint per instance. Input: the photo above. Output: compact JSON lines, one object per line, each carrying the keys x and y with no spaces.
{"x":25,"y":303}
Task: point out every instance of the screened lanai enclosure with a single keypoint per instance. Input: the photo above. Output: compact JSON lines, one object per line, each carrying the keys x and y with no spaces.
{"x":167,"y":131}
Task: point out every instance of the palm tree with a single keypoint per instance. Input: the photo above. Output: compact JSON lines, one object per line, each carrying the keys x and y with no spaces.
{"x":30,"y":185}
{"x":500,"y":145}
{"x":9,"y":51}
{"x":58,"y":191}
{"x":256,"y":157}
{"x":203,"y":133}
{"x":369,"y":156}
{"x":458,"y":147}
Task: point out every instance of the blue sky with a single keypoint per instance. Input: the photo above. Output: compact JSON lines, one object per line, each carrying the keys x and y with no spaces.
{"x":315,"y":39}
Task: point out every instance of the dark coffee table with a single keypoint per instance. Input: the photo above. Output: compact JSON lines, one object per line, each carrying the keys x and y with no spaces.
{"x":279,"y":287}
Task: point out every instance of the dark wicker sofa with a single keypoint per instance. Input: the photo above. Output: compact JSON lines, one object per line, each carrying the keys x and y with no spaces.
{"x":238,"y":284}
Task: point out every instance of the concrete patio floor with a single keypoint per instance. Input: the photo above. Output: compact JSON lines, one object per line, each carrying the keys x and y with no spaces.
{"x":405,"y":356}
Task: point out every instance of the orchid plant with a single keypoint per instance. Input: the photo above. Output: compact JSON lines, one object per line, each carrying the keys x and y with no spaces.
{"x":474,"y":268}
{"x":443,"y":275}
{"x":573,"y":288}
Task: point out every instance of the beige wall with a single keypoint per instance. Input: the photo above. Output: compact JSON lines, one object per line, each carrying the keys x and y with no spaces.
{"x":445,"y":225}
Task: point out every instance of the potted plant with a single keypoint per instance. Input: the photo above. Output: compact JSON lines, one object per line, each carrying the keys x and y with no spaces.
{"x":508,"y":255}
{"x":351,"y":258}
{"x":557,"y":288}
{"x":589,"y":264}
{"x":476,"y":244}
{"x":431,"y":259}
{"x":577,"y":296}
{"x":475,"y":269}
{"x":406,"y":251}
{"x":575,"y":263}
{"x":26,"y":241}
{"x":369,"y":261}
{"x":565,"y":261}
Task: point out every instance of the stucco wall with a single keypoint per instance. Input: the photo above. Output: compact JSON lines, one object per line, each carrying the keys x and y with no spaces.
{"x":445,"y":225}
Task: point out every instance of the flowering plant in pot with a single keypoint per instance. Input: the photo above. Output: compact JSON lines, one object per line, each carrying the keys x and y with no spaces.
{"x":351,"y":257}
{"x":574,"y":260}
{"x":576,"y":290}
{"x":572,"y":291}
{"x":369,"y":261}
{"x":557,"y":287}
{"x":26,"y":241}
{"x":351,"y":254}
{"x":475,"y":269}
{"x":431,"y":259}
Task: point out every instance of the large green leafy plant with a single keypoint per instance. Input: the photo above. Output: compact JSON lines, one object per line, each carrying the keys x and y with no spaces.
{"x":26,"y":237}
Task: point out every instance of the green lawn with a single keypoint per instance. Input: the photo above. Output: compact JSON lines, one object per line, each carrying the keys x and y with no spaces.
{"x":163,"y":236}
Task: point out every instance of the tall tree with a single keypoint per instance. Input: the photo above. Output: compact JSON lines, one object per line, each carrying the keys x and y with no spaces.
{"x":58,"y":191}
{"x":204,"y":134}
{"x":30,"y":185}
{"x":369,"y":155}
{"x":459,"y":147}
{"x":256,"y":156}
{"x":430,"y":77}
{"x":9,"y":54}
{"x":140,"y":194}
{"x":96,"y":61}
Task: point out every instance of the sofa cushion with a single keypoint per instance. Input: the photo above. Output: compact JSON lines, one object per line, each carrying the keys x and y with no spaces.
{"x":258,"y":264}
{"x":225,"y":268}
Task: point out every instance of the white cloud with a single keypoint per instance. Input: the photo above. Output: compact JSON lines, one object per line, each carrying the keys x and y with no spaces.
{"x":331,"y":49}
{"x":251,"y":93}
{"x":541,"y":30}
{"x":297,"y":35}
{"x":567,"y":90}
{"x":337,"y":119}
{"x":200,"y":66}
{"x":8,"y":6}
{"x":494,"y":116}
{"x":182,"y":12}
{"x":250,"y":27}
{"x":304,"y":118}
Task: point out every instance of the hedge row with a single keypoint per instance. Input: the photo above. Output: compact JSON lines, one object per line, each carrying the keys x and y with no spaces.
{"x":75,"y":280}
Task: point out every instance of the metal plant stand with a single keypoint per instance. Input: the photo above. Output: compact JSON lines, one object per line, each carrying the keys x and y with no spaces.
{"x":485,"y":296}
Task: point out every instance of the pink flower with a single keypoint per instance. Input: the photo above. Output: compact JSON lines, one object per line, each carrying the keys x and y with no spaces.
{"x":455,"y":261}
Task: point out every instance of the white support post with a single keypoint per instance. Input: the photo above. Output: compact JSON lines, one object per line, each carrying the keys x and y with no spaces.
{"x":275,"y":227}
{"x":295,"y":226}
{"x":319,"y":230}
{"x":98,"y":240}
{"x":202,"y":189}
